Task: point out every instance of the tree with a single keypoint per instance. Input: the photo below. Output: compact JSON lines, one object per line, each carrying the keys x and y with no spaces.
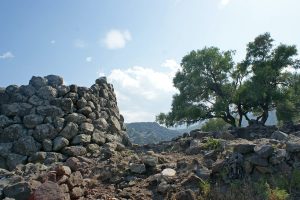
{"x":288,"y":109}
{"x":265,"y":67}
{"x":206,"y":87}
{"x":211,"y":85}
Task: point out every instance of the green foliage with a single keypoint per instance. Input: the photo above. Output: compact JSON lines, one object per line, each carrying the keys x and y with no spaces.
{"x":277,"y":194}
{"x":205,"y":189}
{"x":211,"y":85}
{"x":212,"y":144}
{"x":214,"y":125}
{"x":289,"y":108}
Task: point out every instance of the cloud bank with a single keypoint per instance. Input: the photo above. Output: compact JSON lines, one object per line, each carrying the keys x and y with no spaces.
{"x":143,"y":92}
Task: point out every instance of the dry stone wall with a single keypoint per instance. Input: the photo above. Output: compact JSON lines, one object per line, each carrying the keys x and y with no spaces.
{"x":47,"y":121}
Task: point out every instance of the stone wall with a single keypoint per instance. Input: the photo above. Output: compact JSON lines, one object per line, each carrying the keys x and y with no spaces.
{"x":48,"y":122}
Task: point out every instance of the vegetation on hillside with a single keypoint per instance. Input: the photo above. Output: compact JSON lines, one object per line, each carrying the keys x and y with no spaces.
{"x":149,"y":133}
{"x":212,"y":86}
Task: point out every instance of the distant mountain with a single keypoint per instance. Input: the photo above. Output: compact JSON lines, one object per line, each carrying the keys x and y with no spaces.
{"x":149,"y":132}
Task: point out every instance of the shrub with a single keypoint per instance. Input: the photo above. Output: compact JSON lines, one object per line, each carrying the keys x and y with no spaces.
{"x":213,"y":144}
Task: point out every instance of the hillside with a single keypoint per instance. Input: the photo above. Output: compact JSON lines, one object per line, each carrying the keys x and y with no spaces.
{"x":149,"y":132}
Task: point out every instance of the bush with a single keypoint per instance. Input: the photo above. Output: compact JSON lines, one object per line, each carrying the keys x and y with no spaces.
{"x":215,"y":125}
{"x":213,"y":144}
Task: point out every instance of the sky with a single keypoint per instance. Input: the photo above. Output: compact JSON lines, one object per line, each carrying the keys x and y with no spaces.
{"x":136,"y":44}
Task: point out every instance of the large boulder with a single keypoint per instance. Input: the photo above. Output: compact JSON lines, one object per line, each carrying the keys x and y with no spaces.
{"x":26,"y":146}
{"x":12,"y":133}
{"x":32,"y":120}
{"x":70,"y":130}
{"x":19,"y":191}
{"x":44,"y":131}
{"x":47,"y":92}
{"x":51,"y":111}
{"x":74,"y":151}
{"x":49,"y":191}
{"x":16,"y":109}
{"x":54,"y":80}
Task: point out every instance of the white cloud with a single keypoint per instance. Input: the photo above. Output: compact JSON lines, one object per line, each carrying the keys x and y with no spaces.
{"x":78,"y":43}
{"x":116,"y":39}
{"x":89,"y":59}
{"x":7,"y":55}
{"x":52,"y":41}
{"x":143,"y":92}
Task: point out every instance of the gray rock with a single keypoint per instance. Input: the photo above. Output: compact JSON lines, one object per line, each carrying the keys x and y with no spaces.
{"x":5,"y":121}
{"x":279,"y":135}
{"x":15,"y":159}
{"x":54,"y":80}
{"x":58,"y":123}
{"x":26,"y":146}
{"x":256,"y":160}
{"x":12,"y":133}
{"x":51,"y":111}
{"x":4,"y":97}
{"x":59,"y":143}
{"x":5,"y":149}
{"x":38,"y":157}
{"x":196,"y":146}
{"x":75,"y":179}
{"x":151,"y":161}
{"x":73,"y":88}
{"x":66,"y":104}
{"x":27,"y":90}
{"x":264,"y":151}
{"x":2,"y":166}
{"x":98,"y":137}
{"x":12,"y":89}
{"x":93,"y":148}
{"x":44,"y":131}
{"x":115,"y":124}
{"x":47,"y":145}
{"x":74,"y":151}
{"x":76,"y":118}
{"x":62,"y":90}
{"x":19,"y":191}
{"x":38,"y":82}
{"x":49,"y":191}
{"x":70,"y":130}
{"x":137,"y":168}
{"x":32,"y":120}
{"x":73,"y":96}
{"x":20,"y":109}
{"x":81,"y":139}
{"x":87,"y":128}
{"x":81,"y":103}
{"x":35,"y":100}
{"x":184,"y":195}
{"x":293,"y":146}
{"x":102,"y":80}
{"x":47,"y":92}
{"x":280,"y":156}
{"x":101,"y":124}
{"x":86,"y":111}
{"x":244,"y":148}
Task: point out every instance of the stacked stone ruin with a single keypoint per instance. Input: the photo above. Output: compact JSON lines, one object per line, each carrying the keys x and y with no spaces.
{"x":47,"y":121}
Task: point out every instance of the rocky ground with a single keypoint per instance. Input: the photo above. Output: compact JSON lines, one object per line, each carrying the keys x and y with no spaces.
{"x":197,"y":165}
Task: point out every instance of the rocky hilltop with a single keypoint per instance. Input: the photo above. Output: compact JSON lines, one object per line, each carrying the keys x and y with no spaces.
{"x":46,"y":121}
{"x":67,"y":142}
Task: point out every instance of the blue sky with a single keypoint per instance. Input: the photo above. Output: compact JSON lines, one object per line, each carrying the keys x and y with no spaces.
{"x":137,"y":44}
